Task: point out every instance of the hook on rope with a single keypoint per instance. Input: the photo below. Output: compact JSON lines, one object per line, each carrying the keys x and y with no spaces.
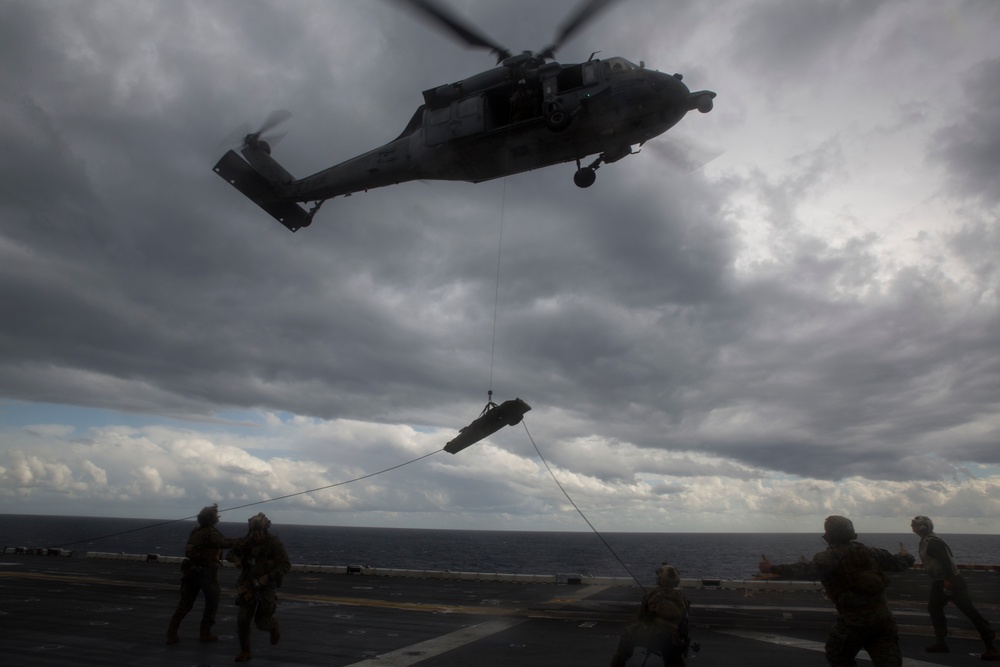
{"x":493,"y":418}
{"x":489,"y":403}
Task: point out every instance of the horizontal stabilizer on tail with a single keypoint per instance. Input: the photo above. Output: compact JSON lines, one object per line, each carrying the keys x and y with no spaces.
{"x":492,"y":420}
{"x":257,"y":189}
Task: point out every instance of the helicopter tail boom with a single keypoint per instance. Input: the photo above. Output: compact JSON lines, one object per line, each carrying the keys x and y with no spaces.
{"x":260,"y":191}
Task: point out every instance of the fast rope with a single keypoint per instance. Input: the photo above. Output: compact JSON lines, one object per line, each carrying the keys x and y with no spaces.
{"x":579,"y":511}
{"x":496,"y":293}
{"x":258,"y":502}
{"x":496,"y":302}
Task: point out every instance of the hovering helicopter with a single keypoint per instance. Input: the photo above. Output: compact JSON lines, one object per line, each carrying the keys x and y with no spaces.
{"x":526,"y":113}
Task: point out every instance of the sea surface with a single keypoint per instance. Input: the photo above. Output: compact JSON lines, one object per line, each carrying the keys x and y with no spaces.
{"x":695,"y":555}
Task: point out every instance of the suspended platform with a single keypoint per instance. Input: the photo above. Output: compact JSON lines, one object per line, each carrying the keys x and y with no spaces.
{"x":494,"y":418}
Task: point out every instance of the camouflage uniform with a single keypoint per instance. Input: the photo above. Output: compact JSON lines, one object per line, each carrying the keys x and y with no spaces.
{"x":263,"y":562}
{"x":948,"y":585}
{"x":661,"y":623}
{"x":853,"y":576}
{"x":522,"y":104}
{"x":200,"y":574}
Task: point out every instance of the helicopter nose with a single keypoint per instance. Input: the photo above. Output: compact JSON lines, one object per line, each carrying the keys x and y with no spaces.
{"x":671,"y":87}
{"x":674,"y":87}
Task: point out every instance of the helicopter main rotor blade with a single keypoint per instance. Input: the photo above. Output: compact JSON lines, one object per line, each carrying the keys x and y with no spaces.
{"x":581,"y":17}
{"x":686,"y":155}
{"x":459,"y":28}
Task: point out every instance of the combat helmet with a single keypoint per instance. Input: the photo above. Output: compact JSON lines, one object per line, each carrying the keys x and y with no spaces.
{"x":259,"y":520}
{"x":839,"y":530}
{"x":209,"y":516}
{"x":668,"y":576}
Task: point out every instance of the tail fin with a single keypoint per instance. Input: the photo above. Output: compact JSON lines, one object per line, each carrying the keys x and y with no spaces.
{"x":261,"y":191}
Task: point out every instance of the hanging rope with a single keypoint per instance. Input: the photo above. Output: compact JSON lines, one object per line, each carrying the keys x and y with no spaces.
{"x":496,"y":302}
{"x":258,"y":502}
{"x":579,"y":511}
{"x":496,"y":293}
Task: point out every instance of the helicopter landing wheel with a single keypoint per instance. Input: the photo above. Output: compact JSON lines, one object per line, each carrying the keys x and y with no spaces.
{"x":584,"y":177}
{"x":557,"y":119}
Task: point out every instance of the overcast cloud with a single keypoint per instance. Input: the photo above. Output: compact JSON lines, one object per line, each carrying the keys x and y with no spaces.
{"x":807,"y":324}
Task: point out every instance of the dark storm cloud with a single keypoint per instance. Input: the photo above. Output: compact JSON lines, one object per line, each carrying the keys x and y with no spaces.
{"x":636,"y":312}
{"x":970,"y":148}
{"x":787,"y":41}
{"x":868,"y":383}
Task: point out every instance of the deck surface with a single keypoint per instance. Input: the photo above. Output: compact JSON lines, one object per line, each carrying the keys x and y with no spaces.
{"x":88,"y":611}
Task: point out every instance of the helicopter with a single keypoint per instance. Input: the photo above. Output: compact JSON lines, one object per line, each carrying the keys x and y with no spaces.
{"x":527,"y":112}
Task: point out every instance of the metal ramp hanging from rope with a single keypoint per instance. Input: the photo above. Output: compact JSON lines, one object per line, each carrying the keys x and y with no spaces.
{"x":493,"y":418}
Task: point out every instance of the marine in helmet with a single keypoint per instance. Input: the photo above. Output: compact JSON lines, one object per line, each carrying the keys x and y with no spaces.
{"x":263,"y":561}
{"x":661,"y":623}
{"x":523,"y":103}
{"x":853,"y":576}
{"x":948,"y":585}
{"x":200,"y":574}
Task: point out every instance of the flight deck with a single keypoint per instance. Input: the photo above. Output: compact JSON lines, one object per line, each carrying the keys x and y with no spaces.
{"x":112,"y":609}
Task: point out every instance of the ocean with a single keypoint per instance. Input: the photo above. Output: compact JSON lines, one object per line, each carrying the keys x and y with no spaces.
{"x":695,"y":555}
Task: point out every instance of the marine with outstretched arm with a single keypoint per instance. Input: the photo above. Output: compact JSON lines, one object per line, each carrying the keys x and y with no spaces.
{"x":853,"y":576}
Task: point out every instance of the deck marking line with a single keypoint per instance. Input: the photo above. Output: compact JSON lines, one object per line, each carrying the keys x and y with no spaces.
{"x":775,"y":607}
{"x":580,"y":593}
{"x":795,"y":642}
{"x":402,"y":606}
{"x":411,"y":655}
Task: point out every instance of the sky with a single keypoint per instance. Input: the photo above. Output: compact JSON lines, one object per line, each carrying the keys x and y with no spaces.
{"x":798,"y":319}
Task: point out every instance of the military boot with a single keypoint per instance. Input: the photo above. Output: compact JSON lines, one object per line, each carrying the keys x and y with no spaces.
{"x":275,"y":632}
{"x":940,"y":646}
{"x":172,"y":637}
{"x":991,"y":653}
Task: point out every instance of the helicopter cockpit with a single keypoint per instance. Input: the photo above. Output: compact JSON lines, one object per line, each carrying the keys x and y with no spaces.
{"x":618,"y":65}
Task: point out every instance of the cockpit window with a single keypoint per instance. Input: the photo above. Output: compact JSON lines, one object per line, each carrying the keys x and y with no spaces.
{"x":618,"y":65}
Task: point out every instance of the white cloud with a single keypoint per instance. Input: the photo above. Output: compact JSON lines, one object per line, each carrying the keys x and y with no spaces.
{"x":807,"y":324}
{"x":180,"y":470}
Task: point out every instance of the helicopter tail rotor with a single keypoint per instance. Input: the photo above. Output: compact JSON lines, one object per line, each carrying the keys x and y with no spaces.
{"x":243,"y":135}
{"x":235,"y":138}
{"x":259,"y":176}
{"x":274,"y":119}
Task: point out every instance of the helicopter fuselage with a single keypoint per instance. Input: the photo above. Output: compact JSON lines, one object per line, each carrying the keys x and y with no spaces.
{"x":500,"y":122}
